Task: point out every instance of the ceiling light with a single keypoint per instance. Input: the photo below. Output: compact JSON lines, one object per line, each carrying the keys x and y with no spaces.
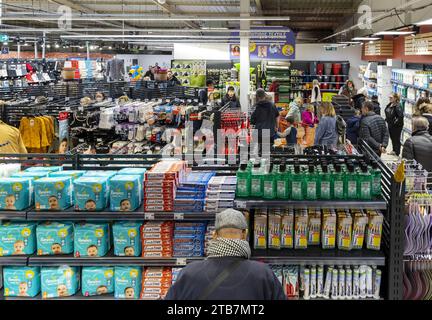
{"x":162,"y":1}
{"x":425,"y":22}
{"x":365,"y":39}
{"x":5,"y":43}
{"x":48,"y":46}
{"x":393,"y":33}
{"x":57,"y":45}
{"x":350,"y":42}
{"x":372,"y":41}
{"x":110,"y":47}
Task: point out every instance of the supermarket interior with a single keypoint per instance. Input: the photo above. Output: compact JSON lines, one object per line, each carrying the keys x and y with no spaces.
{"x":216,"y":150}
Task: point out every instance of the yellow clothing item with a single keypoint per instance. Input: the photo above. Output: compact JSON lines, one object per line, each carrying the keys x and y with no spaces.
{"x":30,"y":131}
{"x":43,"y":133}
{"x":10,"y":139}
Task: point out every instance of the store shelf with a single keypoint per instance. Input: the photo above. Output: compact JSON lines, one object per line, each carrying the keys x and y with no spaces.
{"x":13,"y":260}
{"x":13,"y":215}
{"x":411,"y":86}
{"x":327,"y":204}
{"x":316,"y":255}
{"x":408,"y":100}
{"x":77,"y":296}
{"x":321,"y":75}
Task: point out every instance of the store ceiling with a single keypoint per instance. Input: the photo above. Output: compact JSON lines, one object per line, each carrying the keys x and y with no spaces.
{"x":311,"y":19}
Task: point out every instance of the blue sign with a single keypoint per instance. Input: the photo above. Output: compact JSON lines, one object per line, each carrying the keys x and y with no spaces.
{"x":272,"y":45}
{"x":4,"y":38}
{"x":5,"y":50}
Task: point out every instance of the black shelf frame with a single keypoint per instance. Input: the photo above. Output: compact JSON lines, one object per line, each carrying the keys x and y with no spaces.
{"x":327,"y":204}
{"x":14,"y":260}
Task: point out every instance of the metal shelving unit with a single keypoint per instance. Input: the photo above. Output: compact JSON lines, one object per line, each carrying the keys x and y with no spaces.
{"x":328,"y":204}
{"x":13,"y":260}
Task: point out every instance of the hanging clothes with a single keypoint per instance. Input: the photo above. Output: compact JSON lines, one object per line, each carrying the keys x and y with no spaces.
{"x":10,"y":139}
{"x":37,"y":133}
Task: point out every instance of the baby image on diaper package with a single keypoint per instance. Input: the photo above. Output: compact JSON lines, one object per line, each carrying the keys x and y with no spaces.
{"x":15,"y":193}
{"x":74,"y":174}
{"x":59,"y":281}
{"x":17,"y":238}
{"x":91,"y":193}
{"x":54,"y":238}
{"x":91,"y":239}
{"x":21,"y":281}
{"x":49,"y":169}
{"x":127,"y":282}
{"x":125,"y":192}
{"x":126,"y":237}
{"x":53,"y":193}
{"x":97,"y":281}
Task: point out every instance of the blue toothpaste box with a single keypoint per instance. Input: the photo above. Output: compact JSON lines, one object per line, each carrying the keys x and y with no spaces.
{"x":101,"y":173}
{"x":53,"y":193}
{"x":91,"y":239}
{"x":49,"y":169}
{"x":91,"y":193}
{"x":30,"y":174}
{"x":15,"y":193}
{"x":59,"y":281}
{"x":127,"y":239}
{"x":125,"y":192}
{"x":21,"y":281}
{"x":97,"y":281}
{"x":127,"y":282}
{"x":17,"y":238}
{"x":54,"y":238}
{"x":74,"y":174}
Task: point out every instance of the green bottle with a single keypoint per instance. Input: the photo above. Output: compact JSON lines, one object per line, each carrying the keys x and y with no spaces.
{"x":269,"y":191}
{"x":243,"y":181}
{"x":282,"y":182}
{"x":325,"y":183}
{"x":351,"y":183}
{"x":256,"y":179}
{"x":297,"y":180}
{"x":311,"y":184}
{"x":338,"y":183}
{"x":376,"y":179}
{"x":364,"y":185}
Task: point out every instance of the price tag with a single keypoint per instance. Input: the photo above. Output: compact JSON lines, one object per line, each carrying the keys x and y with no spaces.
{"x":149,"y":216}
{"x":50,"y":99}
{"x":178,"y":216}
{"x":181,"y":261}
{"x":241,"y":204}
{"x":196,"y":100}
{"x":66,"y":98}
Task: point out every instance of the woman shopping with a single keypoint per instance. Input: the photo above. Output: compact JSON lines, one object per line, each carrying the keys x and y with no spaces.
{"x":395,"y":121}
{"x":325,"y":134}
{"x":231,"y":99}
{"x":309,"y":120}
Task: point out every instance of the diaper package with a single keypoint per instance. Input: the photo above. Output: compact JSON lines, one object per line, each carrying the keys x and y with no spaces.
{"x":54,"y":238}
{"x":97,"y":281}
{"x":17,"y":238}
{"x":53,"y":193}
{"x":91,"y":239}
{"x":59,"y":281}
{"x":127,"y":282}
{"x":30,"y":174}
{"x":125,"y":192}
{"x":134,"y":171}
{"x":127,"y":239}
{"x":49,"y":169}
{"x":74,"y":174}
{"x":15,"y":193}
{"x":21,"y":281}
{"x":8,"y":169}
{"x":101,"y":173}
{"x":91,"y":193}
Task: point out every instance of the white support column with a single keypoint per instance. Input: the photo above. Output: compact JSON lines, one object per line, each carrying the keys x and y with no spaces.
{"x":88,"y":50}
{"x":43,"y":45}
{"x":244,"y":56}
{"x":19,"y":50}
{"x":35,"y":49}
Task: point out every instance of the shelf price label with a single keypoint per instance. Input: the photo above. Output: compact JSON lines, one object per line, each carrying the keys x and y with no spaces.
{"x":178,"y":216}
{"x":181,"y":262}
{"x":241,"y":204}
{"x":149,"y":216}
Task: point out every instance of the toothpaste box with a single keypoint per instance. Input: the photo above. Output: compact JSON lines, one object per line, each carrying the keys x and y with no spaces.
{"x":127,"y":240}
{"x":127,"y":282}
{"x":16,"y":193}
{"x":21,"y":281}
{"x":17,"y":238}
{"x":57,"y":282}
{"x":55,"y":238}
{"x":53,"y":193}
{"x":91,"y":193}
{"x":91,"y":239}
{"x":97,"y":281}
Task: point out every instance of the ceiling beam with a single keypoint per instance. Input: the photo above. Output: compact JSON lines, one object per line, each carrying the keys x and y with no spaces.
{"x":171,"y":10}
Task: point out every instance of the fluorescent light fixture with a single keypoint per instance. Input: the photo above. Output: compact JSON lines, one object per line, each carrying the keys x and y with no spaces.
{"x":365,"y":39}
{"x":5,"y":43}
{"x":393,"y":33}
{"x":109,"y":47}
{"x":149,"y":36}
{"x":425,"y":23}
{"x":350,"y":42}
{"x":48,"y":46}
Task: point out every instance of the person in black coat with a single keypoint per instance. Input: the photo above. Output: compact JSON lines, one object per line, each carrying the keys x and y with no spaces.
{"x":231,"y":98}
{"x":376,"y":104}
{"x":395,"y":121}
{"x":426,"y":111}
{"x":172,"y":79}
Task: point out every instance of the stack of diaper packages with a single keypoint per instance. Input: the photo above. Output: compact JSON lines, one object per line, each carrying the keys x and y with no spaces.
{"x":189,"y":239}
{"x":35,"y":175}
{"x":190,"y":195}
{"x":134,"y":172}
{"x":91,"y":239}
{"x":55,"y":238}
{"x":161,"y":183}
{"x":100,"y":173}
{"x":220,"y":193}
{"x":57,"y":282}
{"x":17,"y":238}
{"x":125,"y":192}
{"x":91,"y":193}
{"x":156,"y":283}
{"x":127,"y":240}
{"x":97,"y":281}
{"x":53,"y":193}
{"x":21,"y":281}
{"x":16,"y":193}
{"x":127,"y":283}
{"x":46,"y":169}
{"x":74,"y":174}
{"x":157,"y":239}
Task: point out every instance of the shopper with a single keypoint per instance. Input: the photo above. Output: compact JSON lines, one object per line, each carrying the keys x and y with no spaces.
{"x":294,"y":110}
{"x":395,"y":120}
{"x":348,"y":90}
{"x":204,"y":94}
{"x":373,"y":129}
{"x":420,"y":101}
{"x":316,"y":92}
{"x":376,"y":104}
{"x":172,"y":79}
{"x":419,"y":146}
{"x":231,"y":99}
{"x":290,"y":133}
{"x":227,"y":273}
{"x":426,"y":111}
{"x":149,"y":75}
{"x":309,"y":120}
{"x":325,"y":133}
{"x":353,"y":127}
{"x":274,"y":87}
{"x":360,"y":98}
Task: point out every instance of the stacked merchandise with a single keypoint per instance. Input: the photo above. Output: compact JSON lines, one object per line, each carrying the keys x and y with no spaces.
{"x":161,"y":183}
{"x":189,"y":239}
{"x":220,"y":193}
{"x":208,"y":236}
{"x":340,"y":282}
{"x":175,"y":274}
{"x":86,"y":69}
{"x":190,"y":194}
{"x":279,"y":71}
{"x":157,"y":239}
{"x":156,"y":283}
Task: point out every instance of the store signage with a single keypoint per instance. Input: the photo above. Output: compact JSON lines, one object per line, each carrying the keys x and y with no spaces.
{"x":5,"y":50}
{"x":4,"y":38}
{"x":330,"y":48}
{"x":418,"y":45}
{"x":275,"y":45}
{"x":379,"y":48}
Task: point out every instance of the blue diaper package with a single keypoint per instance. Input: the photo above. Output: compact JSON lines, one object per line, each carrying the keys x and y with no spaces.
{"x":30,"y":174}
{"x":49,"y":169}
{"x":91,"y":193}
{"x":91,"y":239}
{"x":54,"y":238}
{"x":16,"y":193}
{"x":97,"y":281}
{"x":133,"y":172}
{"x":126,"y":237}
{"x":59,"y":281}
{"x":127,"y":282}
{"x":74,"y":174}
{"x":101,"y":173}
{"x":21,"y":281}
{"x":125,"y":192}
{"x":17,"y":238}
{"x":53,"y":193}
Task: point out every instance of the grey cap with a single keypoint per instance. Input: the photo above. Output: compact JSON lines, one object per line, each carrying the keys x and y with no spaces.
{"x":261,"y":94}
{"x":230,"y":218}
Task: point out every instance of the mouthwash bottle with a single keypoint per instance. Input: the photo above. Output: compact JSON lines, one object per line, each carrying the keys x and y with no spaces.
{"x":257,"y":181}
{"x":376,"y":179}
{"x":338,"y":183}
{"x":243,"y":181}
{"x":282,"y":182}
{"x":297,"y":180}
{"x":351,"y":183}
{"x":269,"y":191}
{"x":364,"y":185}
{"x":311,"y":183}
{"x":325,"y":183}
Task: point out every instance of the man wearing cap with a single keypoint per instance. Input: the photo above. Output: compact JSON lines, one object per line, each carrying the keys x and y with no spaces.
{"x":227,"y":273}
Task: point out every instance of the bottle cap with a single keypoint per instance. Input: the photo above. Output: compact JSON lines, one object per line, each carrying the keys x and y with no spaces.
{"x":311,"y":168}
{"x":297,"y":169}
